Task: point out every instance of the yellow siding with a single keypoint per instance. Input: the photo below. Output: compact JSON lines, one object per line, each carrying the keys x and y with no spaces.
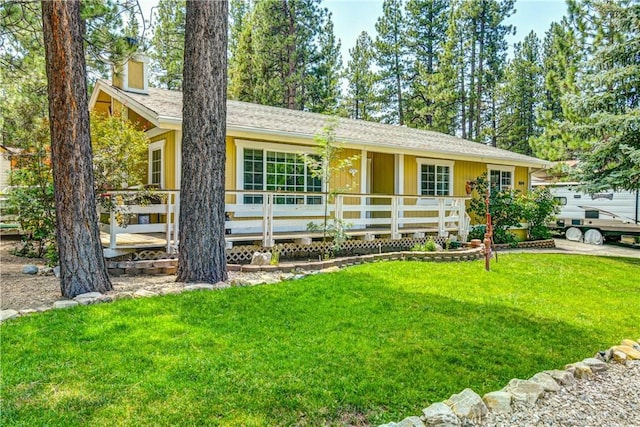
{"x":230,"y":169}
{"x":410,"y":175}
{"x":117,"y":107}
{"x":382,"y":171}
{"x":139,"y":122}
{"x":136,"y":74}
{"x":103,"y":104}
{"x":343,"y":180}
{"x":466,"y":171}
{"x":521,"y":179}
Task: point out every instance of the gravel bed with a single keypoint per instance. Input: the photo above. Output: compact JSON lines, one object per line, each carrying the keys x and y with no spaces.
{"x":611,"y":398}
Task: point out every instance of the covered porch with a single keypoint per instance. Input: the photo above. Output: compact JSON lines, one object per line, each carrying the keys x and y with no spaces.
{"x":267,"y":218}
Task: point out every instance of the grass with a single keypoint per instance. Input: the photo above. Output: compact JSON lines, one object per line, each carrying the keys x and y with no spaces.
{"x":369,"y":344}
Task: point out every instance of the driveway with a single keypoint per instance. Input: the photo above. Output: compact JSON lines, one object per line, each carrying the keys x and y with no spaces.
{"x":567,"y":246}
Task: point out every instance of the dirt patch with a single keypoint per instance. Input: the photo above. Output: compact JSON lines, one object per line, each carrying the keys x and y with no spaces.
{"x":25,"y":291}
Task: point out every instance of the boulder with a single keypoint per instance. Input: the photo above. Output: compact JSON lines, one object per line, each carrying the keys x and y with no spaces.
{"x":411,"y":422}
{"x":580,"y":370}
{"x":620,"y":357}
{"x":66,"y":303}
{"x":56,"y":271}
{"x":440,"y":415}
{"x":562,"y":377}
{"x":199,"y":287}
{"x":30,"y":269}
{"x":546,"y":381}
{"x":631,"y":343}
{"x":595,"y":364}
{"x":498,"y":401}
{"x":524,"y":391}
{"x":260,"y":258}
{"x":467,"y":404}
{"x":631,"y":352}
{"x":7,"y":314}
{"x":88,"y":298}
{"x":143,"y":293}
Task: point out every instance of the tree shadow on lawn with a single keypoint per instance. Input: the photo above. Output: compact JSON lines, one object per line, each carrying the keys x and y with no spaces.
{"x":309,"y":350}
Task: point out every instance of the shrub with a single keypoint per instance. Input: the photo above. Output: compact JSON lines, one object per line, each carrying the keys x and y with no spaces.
{"x":428,"y":246}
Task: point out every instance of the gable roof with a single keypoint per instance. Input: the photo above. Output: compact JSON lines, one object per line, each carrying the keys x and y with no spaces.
{"x":163,"y":107}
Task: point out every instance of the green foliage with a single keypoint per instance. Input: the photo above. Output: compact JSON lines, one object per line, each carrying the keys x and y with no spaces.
{"x":360,"y":100}
{"x":504,"y":208}
{"x":509,"y":209}
{"x":391,"y":58}
{"x":539,"y":209}
{"x":31,"y":198}
{"x":428,"y":246}
{"x":284,"y":54}
{"x":119,"y":152}
{"x":168,"y":43}
{"x":322,"y":350}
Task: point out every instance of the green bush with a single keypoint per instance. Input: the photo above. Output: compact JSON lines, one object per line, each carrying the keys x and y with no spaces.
{"x":510,"y":208}
{"x":428,"y":246}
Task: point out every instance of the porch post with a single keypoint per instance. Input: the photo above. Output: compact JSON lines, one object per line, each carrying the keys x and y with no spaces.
{"x":112,"y":222}
{"x":441,"y":213}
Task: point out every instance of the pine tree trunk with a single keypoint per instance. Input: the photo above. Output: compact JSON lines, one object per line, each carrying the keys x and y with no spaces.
{"x":202,"y":247}
{"x":82,"y":265}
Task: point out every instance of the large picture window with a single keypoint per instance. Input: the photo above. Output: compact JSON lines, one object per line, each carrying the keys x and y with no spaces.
{"x":435,"y":177}
{"x":278,"y":171}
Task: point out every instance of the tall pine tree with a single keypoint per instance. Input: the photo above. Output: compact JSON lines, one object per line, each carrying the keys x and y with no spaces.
{"x":391,"y":58}
{"x":167,"y":44}
{"x":360,"y":99}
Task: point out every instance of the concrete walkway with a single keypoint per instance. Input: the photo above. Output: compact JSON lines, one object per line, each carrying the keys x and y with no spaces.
{"x":567,"y":246}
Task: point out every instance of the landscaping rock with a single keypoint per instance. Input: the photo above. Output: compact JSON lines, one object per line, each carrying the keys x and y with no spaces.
{"x":620,"y":357}
{"x":260,"y":258}
{"x":410,"y":422}
{"x":199,"y":287}
{"x":88,"y":298}
{"x":546,"y":381}
{"x":580,"y":370}
{"x":524,"y":391}
{"x":631,"y":343}
{"x":595,"y":364}
{"x":30,"y":269}
{"x":67,"y":303}
{"x":56,"y":271}
{"x":7,"y":314}
{"x":467,"y":404}
{"x":143,"y":293}
{"x":631,"y":352}
{"x":562,"y":377}
{"x":498,"y":401}
{"x":440,"y":415}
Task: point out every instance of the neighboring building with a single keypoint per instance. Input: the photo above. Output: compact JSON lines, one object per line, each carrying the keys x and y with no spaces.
{"x":263,"y":146}
{"x":6,"y":165}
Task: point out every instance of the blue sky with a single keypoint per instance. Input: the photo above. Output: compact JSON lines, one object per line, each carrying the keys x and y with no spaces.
{"x":351,"y":17}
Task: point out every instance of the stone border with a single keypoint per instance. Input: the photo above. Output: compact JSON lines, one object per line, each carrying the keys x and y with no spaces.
{"x":170,"y":266}
{"x":463,"y":408}
{"x":529,"y":244}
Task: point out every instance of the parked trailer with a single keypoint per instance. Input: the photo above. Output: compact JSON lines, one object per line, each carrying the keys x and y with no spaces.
{"x":593,"y":217}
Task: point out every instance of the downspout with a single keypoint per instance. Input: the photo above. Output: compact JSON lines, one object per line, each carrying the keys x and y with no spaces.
{"x":637,"y":203}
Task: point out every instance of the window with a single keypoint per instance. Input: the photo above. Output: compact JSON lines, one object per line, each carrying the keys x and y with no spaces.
{"x":156,"y":164}
{"x":278,"y":171}
{"x":435,"y":177}
{"x":501,"y":177}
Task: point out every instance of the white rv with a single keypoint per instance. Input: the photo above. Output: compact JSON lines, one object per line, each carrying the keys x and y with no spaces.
{"x":592,"y":217}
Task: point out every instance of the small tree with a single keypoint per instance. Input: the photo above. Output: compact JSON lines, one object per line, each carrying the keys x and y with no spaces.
{"x":119,"y":152}
{"x":540,"y":208}
{"x":326,"y":163}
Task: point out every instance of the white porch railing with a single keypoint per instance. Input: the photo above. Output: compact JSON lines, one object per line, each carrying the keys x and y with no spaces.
{"x":269,"y":216}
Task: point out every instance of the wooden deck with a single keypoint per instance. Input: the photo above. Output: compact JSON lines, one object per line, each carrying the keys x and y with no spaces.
{"x":135,"y":241}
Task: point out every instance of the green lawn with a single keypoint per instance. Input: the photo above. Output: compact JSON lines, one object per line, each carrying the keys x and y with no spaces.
{"x":369,"y":344}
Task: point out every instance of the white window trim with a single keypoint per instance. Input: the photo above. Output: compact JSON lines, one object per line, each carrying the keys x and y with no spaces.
{"x":434,"y":162}
{"x":241,"y":145}
{"x":154,"y":146}
{"x":502,"y":168}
